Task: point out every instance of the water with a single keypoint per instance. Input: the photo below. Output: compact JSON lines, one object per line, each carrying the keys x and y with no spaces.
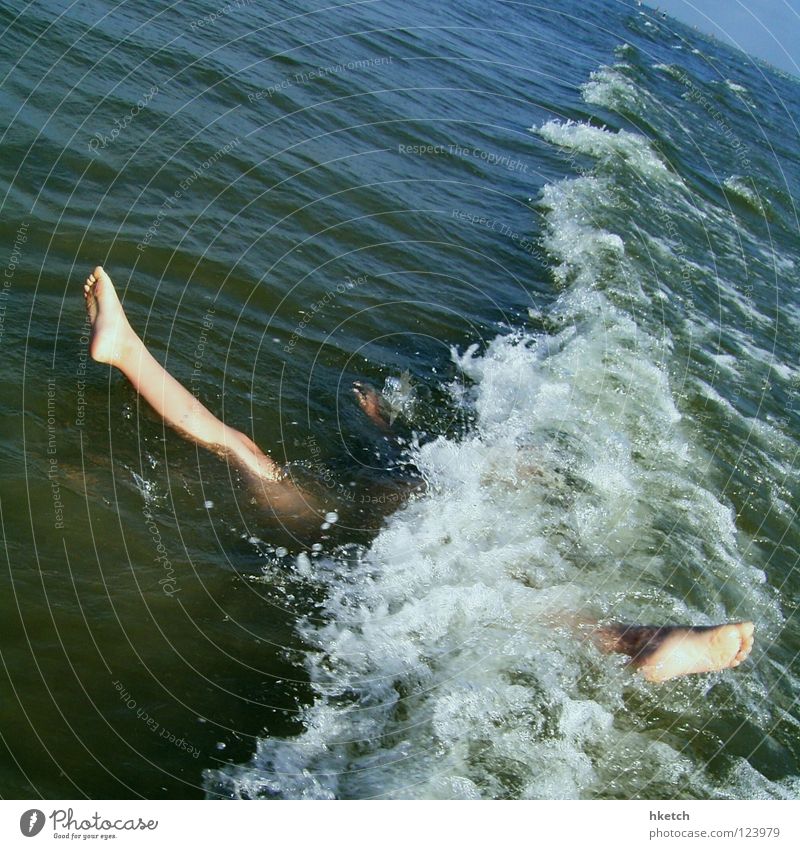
{"x":569,"y":237}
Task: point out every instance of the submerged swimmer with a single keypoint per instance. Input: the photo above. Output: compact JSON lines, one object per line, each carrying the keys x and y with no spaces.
{"x":659,"y":653}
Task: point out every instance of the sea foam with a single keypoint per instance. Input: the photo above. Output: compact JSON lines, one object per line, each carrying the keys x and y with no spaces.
{"x":445,"y":662}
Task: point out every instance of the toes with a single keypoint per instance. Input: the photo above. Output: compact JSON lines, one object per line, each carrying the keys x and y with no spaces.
{"x":746,"y":632}
{"x":364,"y":389}
{"x":744,"y":650}
{"x":744,"y":636}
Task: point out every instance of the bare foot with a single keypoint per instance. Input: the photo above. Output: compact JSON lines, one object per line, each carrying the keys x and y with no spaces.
{"x":370,"y":403}
{"x":111,"y":333}
{"x":668,"y":652}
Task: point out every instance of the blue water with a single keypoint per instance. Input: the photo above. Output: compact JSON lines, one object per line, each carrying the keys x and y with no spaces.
{"x":571,"y":231}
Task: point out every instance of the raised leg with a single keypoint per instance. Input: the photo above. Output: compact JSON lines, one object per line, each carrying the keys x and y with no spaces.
{"x":670,"y":651}
{"x":115,"y":342}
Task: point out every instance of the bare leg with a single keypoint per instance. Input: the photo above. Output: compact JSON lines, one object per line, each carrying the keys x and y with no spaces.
{"x":115,"y":342}
{"x":670,"y":651}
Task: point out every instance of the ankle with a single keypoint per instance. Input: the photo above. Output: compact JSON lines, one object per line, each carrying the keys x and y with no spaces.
{"x":128,"y":352}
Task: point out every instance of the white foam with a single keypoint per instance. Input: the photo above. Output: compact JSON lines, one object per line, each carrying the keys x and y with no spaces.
{"x":739,"y":89}
{"x":739,"y":186}
{"x":784,"y":371}
{"x":442,"y":667}
{"x":725,"y":361}
{"x":784,"y":264}
{"x":148,"y":489}
{"x":741,"y":93}
{"x":633,"y":149}
{"x":438,"y":671}
{"x":608,"y":87}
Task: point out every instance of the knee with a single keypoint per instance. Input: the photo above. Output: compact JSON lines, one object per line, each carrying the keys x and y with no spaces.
{"x":237,"y":441}
{"x":246,"y":442}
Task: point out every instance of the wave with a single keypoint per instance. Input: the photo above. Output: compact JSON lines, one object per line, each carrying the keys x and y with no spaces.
{"x":445,"y":664}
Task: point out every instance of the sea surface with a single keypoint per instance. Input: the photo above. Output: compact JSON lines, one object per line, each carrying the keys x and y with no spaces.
{"x":561,"y":238}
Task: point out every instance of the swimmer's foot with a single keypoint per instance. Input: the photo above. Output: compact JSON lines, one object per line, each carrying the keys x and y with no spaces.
{"x":112,"y":337}
{"x":370,"y":403}
{"x":668,"y":652}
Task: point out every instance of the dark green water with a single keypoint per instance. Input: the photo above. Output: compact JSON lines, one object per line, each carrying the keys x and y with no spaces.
{"x":598,"y":199}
